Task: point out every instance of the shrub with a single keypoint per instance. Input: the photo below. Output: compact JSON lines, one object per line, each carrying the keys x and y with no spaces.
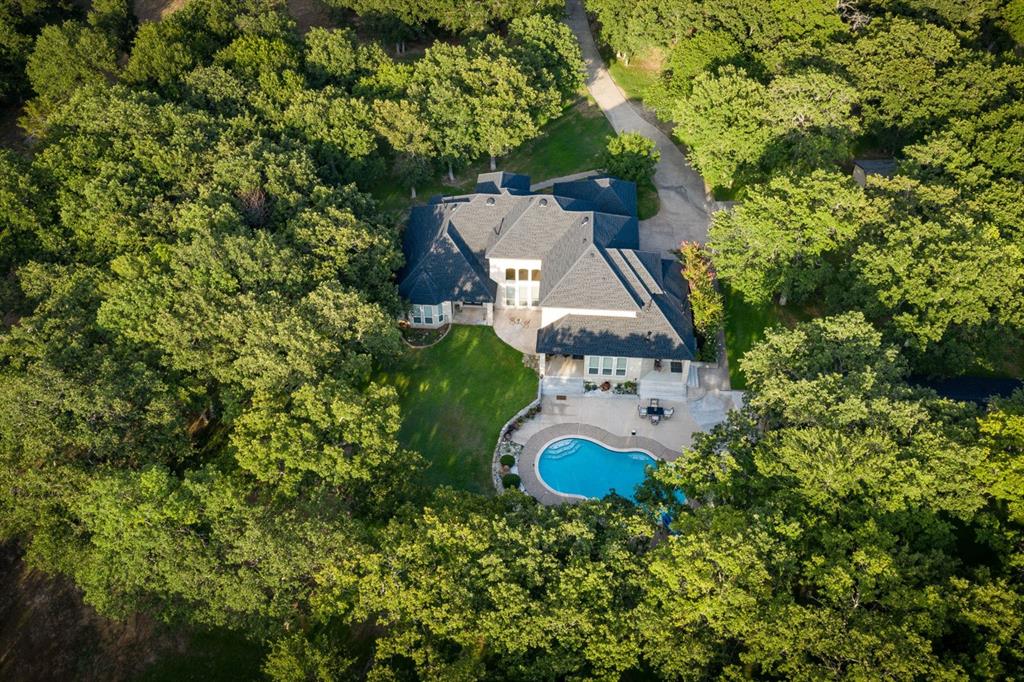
{"x":705,"y":301}
{"x":510,"y":481}
{"x":631,"y":156}
{"x":507,"y":460}
{"x":626,"y":388}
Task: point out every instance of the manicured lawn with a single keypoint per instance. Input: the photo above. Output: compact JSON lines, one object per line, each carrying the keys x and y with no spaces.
{"x":455,"y":397}
{"x":571,"y":143}
{"x":634,"y":79}
{"x":745,"y":325}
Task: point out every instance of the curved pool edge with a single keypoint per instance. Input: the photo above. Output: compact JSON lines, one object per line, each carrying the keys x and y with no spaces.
{"x":581,"y":498}
{"x":530,"y":457}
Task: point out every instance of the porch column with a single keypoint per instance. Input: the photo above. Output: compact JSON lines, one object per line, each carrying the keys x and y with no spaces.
{"x":489,"y":314}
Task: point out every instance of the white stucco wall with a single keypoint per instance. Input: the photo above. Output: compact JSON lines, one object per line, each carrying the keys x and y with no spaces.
{"x":497,"y":273}
{"x":549,"y":315}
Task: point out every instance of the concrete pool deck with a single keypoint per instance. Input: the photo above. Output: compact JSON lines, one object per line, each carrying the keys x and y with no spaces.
{"x":614,"y":421}
{"x":616,"y":415}
{"x":536,"y":443}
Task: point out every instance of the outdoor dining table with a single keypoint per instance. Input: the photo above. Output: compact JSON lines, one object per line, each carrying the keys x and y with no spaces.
{"x":655,"y":411}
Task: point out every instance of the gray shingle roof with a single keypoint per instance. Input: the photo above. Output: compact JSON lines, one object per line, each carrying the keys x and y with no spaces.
{"x":608,"y":195}
{"x":585,"y":236}
{"x":495,"y":183}
{"x":662,"y":327}
{"x":884,"y":167}
{"x":441,"y":266}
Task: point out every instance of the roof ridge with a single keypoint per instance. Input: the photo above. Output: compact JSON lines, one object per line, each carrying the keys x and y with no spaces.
{"x":627,"y":273}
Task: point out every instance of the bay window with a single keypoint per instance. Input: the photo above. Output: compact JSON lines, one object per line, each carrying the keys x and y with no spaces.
{"x":427,"y":314}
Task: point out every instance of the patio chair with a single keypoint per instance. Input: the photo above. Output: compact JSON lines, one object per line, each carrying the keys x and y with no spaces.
{"x":669,"y":411}
{"x":654,"y":402}
{"x":642,"y":410}
{"x":655,"y":419}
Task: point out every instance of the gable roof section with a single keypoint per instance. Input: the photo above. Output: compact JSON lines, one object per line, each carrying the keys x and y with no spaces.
{"x":662,"y":327}
{"x":441,"y":266}
{"x":589,"y":282}
{"x":500,"y":181}
{"x":643,"y":336}
{"x":608,"y":195}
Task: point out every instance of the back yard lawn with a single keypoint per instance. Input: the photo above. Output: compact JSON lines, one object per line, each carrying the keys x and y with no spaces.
{"x":455,"y":397}
{"x":571,"y":143}
{"x":745,"y":325}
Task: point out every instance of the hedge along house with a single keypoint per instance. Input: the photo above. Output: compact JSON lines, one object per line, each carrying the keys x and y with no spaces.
{"x":565,"y":267}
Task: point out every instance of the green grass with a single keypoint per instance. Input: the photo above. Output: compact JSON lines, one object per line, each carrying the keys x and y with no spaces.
{"x":455,"y":397}
{"x":745,"y":325}
{"x":573,"y":142}
{"x":634,"y":79}
{"x":647,"y":200}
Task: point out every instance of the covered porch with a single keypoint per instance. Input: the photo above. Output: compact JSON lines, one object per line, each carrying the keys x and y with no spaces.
{"x":662,"y":379}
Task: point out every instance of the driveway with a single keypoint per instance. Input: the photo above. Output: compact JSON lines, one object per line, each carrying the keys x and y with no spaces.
{"x":684,"y":212}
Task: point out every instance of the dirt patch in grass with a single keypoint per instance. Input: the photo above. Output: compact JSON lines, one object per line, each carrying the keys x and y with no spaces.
{"x":310,"y":14}
{"x":155,"y":10}
{"x":11,"y":135}
{"x":48,"y":633}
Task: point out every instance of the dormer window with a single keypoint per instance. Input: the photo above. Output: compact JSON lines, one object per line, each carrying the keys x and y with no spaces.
{"x":490,"y":201}
{"x":543,"y":202}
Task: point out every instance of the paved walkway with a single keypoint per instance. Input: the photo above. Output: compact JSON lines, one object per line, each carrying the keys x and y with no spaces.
{"x":684,"y":212}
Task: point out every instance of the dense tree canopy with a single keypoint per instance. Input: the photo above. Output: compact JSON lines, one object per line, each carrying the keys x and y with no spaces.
{"x":196,"y":292}
{"x":773,"y":103}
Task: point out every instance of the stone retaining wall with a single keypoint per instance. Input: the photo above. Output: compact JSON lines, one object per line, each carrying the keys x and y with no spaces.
{"x":495,"y":464}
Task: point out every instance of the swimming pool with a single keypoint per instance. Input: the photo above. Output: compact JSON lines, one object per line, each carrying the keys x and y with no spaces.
{"x":579,"y":466}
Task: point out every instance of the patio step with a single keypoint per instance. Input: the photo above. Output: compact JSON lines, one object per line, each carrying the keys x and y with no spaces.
{"x":562,"y":386}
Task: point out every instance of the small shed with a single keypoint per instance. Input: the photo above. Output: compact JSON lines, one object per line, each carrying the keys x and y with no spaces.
{"x":862,"y":168}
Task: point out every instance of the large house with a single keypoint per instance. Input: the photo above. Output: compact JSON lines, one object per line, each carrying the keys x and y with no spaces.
{"x":568,"y":263}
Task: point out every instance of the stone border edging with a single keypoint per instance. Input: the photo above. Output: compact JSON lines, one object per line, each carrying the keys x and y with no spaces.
{"x":495,"y":464}
{"x":536,"y":443}
{"x":447,"y":329}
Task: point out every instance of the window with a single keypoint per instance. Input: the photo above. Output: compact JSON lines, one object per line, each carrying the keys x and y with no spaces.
{"x":427,"y":314}
{"x":606,"y":366}
{"x":522,"y":287}
{"x":676,"y":367}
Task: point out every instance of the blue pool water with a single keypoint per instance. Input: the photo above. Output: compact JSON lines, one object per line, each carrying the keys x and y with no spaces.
{"x":577,"y":466}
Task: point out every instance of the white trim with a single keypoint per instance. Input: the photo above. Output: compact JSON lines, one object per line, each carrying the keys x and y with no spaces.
{"x":540,"y":454}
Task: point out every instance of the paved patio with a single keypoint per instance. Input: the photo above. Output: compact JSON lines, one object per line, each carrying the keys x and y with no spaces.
{"x":518,"y":328}
{"x":614,"y":420}
{"x":618,"y":416}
